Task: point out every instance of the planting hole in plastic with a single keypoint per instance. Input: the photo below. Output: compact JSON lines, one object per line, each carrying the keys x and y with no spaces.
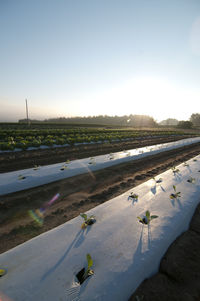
{"x":82,"y":276}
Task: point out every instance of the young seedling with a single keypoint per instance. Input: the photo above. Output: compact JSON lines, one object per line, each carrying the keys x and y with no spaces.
{"x":157,"y":181}
{"x":147,"y":218}
{"x":185,"y":164}
{"x":21,"y":177}
{"x":191,"y":180}
{"x":36,"y":167}
{"x":88,"y":221}
{"x":67,"y":162}
{"x":85,"y":273}
{"x":2,"y":272}
{"x":176,"y":194}
{"x":89,"y":271}
{"x":175,"y":169}
{"x":92,"y":161}
{"x":111,"y":156}
{"x":133,"y":196}
{"x":64,"y":167}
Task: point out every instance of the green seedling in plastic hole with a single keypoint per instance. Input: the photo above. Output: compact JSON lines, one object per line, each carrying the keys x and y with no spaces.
{"x":176,"y":194}
{"x":84,"y":273}
{"x":191,"y":180}
{"x":175,"y":169}
{"x":157,"y":181}
{"x":2,"y":272}
{"x":89,"y":271}
{"x":147,"y":218}
{"x":36,"y":167}
{"x":21,"y":177}
{"x":64,"y":167}
{"x":92,"y":161}
{"x":111,"y":156}
{"x":88,"y":221}
{"x":133,"y":196}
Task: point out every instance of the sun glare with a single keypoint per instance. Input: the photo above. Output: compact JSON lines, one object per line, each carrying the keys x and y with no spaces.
{"x":151,"y":96}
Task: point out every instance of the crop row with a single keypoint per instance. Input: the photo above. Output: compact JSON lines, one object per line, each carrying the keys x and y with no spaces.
{"x":38,"y":216}
{"x":22,"y":139}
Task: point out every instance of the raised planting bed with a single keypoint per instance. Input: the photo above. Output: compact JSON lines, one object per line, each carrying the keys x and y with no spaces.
{"x":112,"y":256}
{"x":28,"y":178}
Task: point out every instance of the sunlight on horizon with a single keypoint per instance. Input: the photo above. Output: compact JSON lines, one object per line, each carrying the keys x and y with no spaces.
{"x":142,"y":95}
{"x":151,"y":96}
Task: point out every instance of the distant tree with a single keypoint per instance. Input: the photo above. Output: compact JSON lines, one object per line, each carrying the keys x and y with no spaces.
{"x":169,"y":121}
{"x":131,"y":120}
{"x":195,"y":119}
{"x":142,"y":121}
{"x":185,"y":124}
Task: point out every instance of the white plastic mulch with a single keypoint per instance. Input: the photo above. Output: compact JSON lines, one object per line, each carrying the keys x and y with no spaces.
{"x":124,"y":251}
{"x":28,"y":178}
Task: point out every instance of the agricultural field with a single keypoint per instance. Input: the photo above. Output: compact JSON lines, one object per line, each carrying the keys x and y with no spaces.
{"x":152,"y":215}
{"x":29,"y":138}
{"x":67,"y":198}
{"x":43,"y":144}
{"x":78,"y":193}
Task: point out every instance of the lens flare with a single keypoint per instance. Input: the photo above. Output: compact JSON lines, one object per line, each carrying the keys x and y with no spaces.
{"x":38,"y":214}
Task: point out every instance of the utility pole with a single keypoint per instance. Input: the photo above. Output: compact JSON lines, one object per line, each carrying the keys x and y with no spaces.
{"x":28,"y":123}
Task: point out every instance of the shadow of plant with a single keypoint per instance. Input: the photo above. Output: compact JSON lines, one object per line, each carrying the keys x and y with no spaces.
{"x":78,"y":240}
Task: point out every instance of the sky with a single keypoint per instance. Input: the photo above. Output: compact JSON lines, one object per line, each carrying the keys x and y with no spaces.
{"x":99,"y":57}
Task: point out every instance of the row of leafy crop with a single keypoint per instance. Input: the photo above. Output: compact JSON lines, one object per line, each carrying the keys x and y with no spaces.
{"x":79,"y":131}
{"x":9,"y":139}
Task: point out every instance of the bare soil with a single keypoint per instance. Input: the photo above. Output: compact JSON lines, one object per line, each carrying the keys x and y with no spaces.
{"x":77,"y":194}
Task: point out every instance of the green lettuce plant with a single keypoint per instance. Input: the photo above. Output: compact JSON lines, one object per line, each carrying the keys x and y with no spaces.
{"x":36,"y":167}
{"x":21,"y":177}
{"x":147,"y":218}
{"x":157,"y":181}
{"x":176,"y":194}
{"x":89,"y":271}
{"x":88,"y":221}
{"x":111,"y":156}
{"x":84,"y":273}
{"x":175,"y":169}
{"x":64,"y":167}
{"x":133,"y":196}
{"x":92,"y":161}
{"x":191,"y":180}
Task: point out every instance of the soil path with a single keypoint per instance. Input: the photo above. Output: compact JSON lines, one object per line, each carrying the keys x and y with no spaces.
{"x":78,"y":194}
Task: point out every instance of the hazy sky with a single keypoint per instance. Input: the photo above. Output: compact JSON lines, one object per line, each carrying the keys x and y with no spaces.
{"x":92,"y":57}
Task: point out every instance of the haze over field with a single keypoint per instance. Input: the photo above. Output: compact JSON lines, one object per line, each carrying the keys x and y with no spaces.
{"x":108,"y":57}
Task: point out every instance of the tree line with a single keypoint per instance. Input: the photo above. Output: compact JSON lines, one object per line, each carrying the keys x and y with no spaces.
{"x":126,"y":120}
